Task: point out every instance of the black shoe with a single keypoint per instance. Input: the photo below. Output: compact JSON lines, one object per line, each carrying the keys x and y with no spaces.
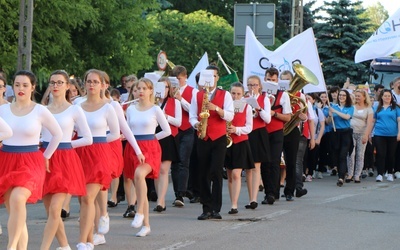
{"x":179,"y":202}
{"x":289,"y":198}
{"x":112,"y":204}
{"x":159,"y":209}
{"x":153,"y":196}
{"x":334,"y":172}
{"x":261,"y":188}
{"x":269,"y":199}
{"x":216,"y":216}
{"x":204,"y":216}
{"x":195,"y":199}
{"x":233,"y":211}
{"x":339,"y":183}
{"x":64,"y":214}
{"x":120,"y":198}
{"x":189,"y":195}
{"x":252,"y":205}
{"x":301,"y":192}
{"x":349,"y":180}
{"x":130,"y":212}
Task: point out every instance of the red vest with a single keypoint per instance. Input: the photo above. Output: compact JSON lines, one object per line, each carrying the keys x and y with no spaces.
{"x":216,"y":126}
{"x":239,"y":120}
{"x":187,"y":95}
{"x":275,"y":123}
{"x":169,"y":109}
{"x":258,"y":122}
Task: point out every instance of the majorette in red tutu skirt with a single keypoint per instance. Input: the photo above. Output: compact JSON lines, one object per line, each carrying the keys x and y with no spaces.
{"x":151,"y":150}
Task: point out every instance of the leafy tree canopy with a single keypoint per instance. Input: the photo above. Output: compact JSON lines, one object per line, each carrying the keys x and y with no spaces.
{"x":339,"y":36}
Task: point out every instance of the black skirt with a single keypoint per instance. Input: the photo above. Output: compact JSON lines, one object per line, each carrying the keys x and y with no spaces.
{"x":239,"y":156}
{"x":169,"y":149}
{"x":259,"y":144}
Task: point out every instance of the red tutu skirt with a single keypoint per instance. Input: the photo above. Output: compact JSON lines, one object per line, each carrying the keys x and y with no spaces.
{"x":66,"y":174}
{"x":22,"y":170}
{"x":152,"y":152}
{"x":116,"y":158}
{"x":96,"y":164}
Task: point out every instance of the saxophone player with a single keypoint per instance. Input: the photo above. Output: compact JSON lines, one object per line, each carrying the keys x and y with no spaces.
{"x":239,"y":156}
{"x":211,"y":149}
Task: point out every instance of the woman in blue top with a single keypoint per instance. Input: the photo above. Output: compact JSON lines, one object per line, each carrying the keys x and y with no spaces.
{"x":341,"y":114}
{"x":386,"y":134}
{"x":324,"y":150}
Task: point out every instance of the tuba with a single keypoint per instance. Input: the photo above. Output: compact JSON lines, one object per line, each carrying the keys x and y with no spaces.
{"x":302,"y":77}
{"x":204,"y":114}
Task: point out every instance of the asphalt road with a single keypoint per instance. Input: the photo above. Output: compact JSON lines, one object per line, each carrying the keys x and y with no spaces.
{"x":355,"y":216}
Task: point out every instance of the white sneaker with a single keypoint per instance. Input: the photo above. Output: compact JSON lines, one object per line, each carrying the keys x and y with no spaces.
{"x":308,"y":178}
{"x":379,"y":178}
{"x":137,"y":221}
{"x":89,"y":246}
{"x":389,"y":177}
{"x":397,"y":175}
{"x":64,"y":248}
{"x":104,"y":224}
{"x":81,"y":246}
{"x":99,"y":239}
{"x":143,"y":232}
{"x":319,"y":175}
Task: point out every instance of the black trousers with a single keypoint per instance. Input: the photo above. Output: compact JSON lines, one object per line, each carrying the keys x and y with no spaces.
{"x":211,"y":157}
{"x":290,"y":148}
{"x":193,"y":184}
{"x":385,"y":153}
{"x":270,"y":170}
{"x":341,"y":142}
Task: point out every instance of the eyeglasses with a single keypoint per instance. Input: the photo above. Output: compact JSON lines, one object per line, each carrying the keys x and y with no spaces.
{"x":252,"y":85}
{"x":343,"y":95}
{"x":58,"y":83}
{"x":94,"y":82}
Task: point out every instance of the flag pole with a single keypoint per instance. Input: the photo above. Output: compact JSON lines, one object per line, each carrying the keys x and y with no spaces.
{"x":223,"y":62}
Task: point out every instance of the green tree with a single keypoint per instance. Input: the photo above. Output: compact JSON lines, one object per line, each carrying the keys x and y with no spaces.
{"x":376,"y":14}
{"x":339,"y":36}
{"x":185,"y":38}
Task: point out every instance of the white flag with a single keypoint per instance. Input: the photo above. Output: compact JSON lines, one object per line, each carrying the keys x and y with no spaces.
{"x":301,"y":47}
{"x":384,"y":42}
{"x":201,"y":65}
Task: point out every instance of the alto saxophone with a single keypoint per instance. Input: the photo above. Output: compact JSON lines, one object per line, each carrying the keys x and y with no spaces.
{"x":204,"y":114}
{"x":229,"y":140}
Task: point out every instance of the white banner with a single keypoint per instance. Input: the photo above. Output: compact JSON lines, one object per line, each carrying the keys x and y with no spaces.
{"x":202,"y":64}
{"x":301,"y":47}
{"x":384,"y":42}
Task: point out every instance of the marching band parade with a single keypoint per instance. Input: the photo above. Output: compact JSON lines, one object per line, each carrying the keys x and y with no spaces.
{"x":100,"y":144}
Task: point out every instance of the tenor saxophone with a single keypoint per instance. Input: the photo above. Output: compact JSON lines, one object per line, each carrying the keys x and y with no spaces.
{"x":204,"y":114}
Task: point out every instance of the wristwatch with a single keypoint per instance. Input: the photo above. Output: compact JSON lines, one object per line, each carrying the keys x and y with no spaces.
{"x":275,"y":114}
{"x":216,"y":109}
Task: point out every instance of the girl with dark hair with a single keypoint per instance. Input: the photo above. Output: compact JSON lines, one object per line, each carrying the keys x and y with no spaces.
{"x":386,"y":134}
{"x":3,"y":86}
{"x":23,"y":166}
{"x":66,"y":173}
{"x":341,"y":113}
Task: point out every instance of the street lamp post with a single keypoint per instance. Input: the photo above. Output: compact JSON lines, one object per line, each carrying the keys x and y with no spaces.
{"x":25,"y":35}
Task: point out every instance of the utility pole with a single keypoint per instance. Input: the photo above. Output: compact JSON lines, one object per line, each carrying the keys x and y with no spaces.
{"x":297,"y":18}
{"x":25,"y":35}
